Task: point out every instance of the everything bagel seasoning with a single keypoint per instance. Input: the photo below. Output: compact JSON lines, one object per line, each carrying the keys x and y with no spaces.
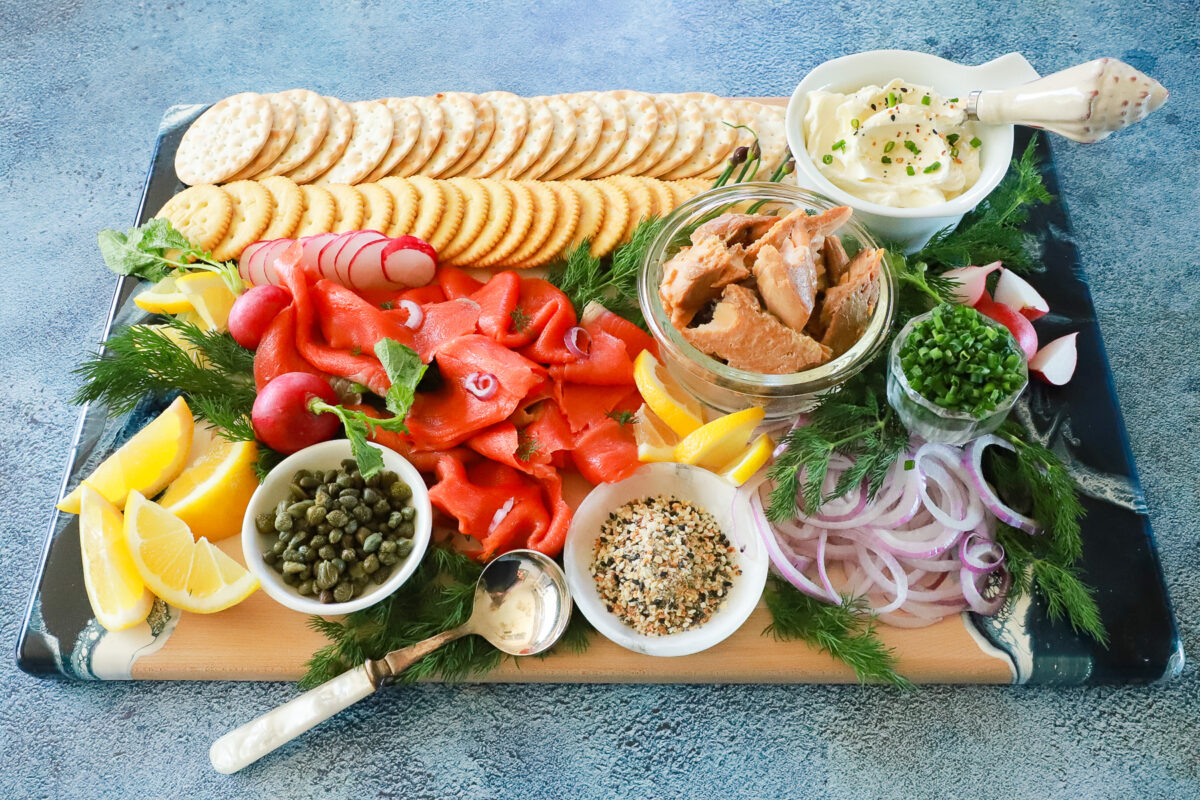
{"x":662,"y":565}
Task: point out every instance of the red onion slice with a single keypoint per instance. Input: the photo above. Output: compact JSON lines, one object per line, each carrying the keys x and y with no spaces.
{"x":974,"y":595}
{"x":481,"y":384}
{"x":973,"y":461}
{"x":979,"y":555}
{"x":782,"y":564}
{"x":415,"y":315}
{"x":578,"y":342}
{"x":501,"y":513}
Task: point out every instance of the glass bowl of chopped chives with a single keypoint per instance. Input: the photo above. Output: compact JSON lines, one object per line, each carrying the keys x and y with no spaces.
{"x":954,"y":374}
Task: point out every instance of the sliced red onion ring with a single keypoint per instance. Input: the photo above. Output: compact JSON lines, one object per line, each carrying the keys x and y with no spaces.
{"x":578,"y":342}
{"x":974,"y":595}
{"x":501,"y":513}
{"x":481,"y":384}
{"x":979,"y":555}
{"x":416,"y":315}
{"x":973,"y":462}
{"x":781,"y":562}
{"x":942,"y":464}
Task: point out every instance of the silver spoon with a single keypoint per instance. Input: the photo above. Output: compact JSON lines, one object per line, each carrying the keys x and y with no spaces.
{"x":521,"y":607}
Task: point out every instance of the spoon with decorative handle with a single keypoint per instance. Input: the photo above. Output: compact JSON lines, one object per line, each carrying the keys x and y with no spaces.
{"x":522,"y":607}
{"x":1087,"y":102}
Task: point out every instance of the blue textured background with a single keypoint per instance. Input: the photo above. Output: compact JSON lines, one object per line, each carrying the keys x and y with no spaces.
{"x":82,"y":87}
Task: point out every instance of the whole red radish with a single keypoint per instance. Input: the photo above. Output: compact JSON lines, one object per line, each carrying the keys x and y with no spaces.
{"x":1021,"y":328}
{"x":282,"y":417}
{"x":252,"y":313}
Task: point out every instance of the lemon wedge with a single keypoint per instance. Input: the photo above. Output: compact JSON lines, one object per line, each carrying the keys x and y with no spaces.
{"x":212,"y":492}
{"x":114,"y":588}
{"x":750,"y":461}
{"x":207,"y":293}
{"x":164,"y":297}
{"x":188,"y":573}
{"x":666,"y":398}
{"x":655,"y":439}
{"x":715,"y":444}
{"x":146,"y":463}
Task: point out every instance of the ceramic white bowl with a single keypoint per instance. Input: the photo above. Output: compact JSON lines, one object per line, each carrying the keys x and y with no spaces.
{"x":705,"y":490}
{"x":328,"y":455}
{"x":910,"y":227}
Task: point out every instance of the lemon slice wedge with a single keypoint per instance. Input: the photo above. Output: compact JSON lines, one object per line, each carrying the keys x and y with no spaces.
{"x":114,"y":588}
{"x":750,"y":461}
{"x":164,"y":297}
{"x":188,"y":573}
{"x":666,"y":398}
{"x":214,"y":489}
{"x":146,"y":463}
{"x":655,"y":439}
{"x":715,"y":444}
{"x":207,"y":293}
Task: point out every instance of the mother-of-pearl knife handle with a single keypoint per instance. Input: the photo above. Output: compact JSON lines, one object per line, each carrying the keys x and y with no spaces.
{"x":1085,"y":103}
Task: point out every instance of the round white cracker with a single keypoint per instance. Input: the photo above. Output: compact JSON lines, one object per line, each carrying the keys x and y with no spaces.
{"x":664,"y":138}
{"x":768,"y":122}
{"x":458,"y":128}
{"x":537,"y":139}
{"x":337,"y":137}
{"x":562,"y":136}
{"x":735,"y":116}
{"x":485,"y":126}
{"x":718,"y":140}
{"x":312,"y":122}
{"x":642,"y":114}
{"x":224,"y":139}
{"x":689,"y":133}
{"x":432,"y":123}
{"x":283,"y":126}
{"x":369,"y":142}
{"x":588,"y":124}
{"x":406,"y":127}
{"x":512,"y":120}
{"x":613,"y":130}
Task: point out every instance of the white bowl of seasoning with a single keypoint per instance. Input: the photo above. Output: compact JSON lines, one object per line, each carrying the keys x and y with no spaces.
{"x":698,"y":489}
{"x":910,"y":227}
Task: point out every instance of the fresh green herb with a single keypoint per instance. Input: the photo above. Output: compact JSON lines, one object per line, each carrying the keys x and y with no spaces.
{"x":846,"y":631}
{"x":953,"y":100}
{"x":623,"y":418}
{"x":840,"y":144}
{"x":889,"y":147}
{"x":954,"y":152}
{"x":527,"y":446}
{"x":356,"y":350}
{"x":520,"y":319}
{"x":404,"y":369}
{"x":156,"y":250}
{"x":827,"y":159}
{"x":387,"y":305}
{"x":854,"y":123}
{"x":926,"y":100}
{"x":975,"y":141}
{"x":909,"y":464}
{"x":267,"y":460}
{"x":952,"y":138}
{"x":909,"y":169}
{"x":934,"y":167}
{"x":911,"y":146}
{"x":892,"y":99}
{"x":886,"y":159}
{"x":612,"y":283}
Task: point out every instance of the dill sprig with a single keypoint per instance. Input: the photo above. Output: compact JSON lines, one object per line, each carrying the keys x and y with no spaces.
{"x":846,"y":631}
{"x":612,"y":282}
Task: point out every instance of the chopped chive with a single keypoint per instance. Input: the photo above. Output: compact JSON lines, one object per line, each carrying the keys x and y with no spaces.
{"x":854,"y":123}
{"x":827,"y":159}
{"x":892,"y":99}
{"x":840,"y":144}
{"x":954,"y":152}
{"x":952,"y":100}
{"x":952,"y":138}
{"x":934,"y":167}
{"x":910,"y":464}
{"x":975,"y":141}
{"x":910,"y":170}
{"x":887,"y":148}
{"x":912,"y":146}
{"x":925,"y":100}
{"x":886,"y":159}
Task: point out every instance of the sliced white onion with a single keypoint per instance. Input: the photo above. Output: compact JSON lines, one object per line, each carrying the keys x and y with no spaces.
{"x":416,"y":315}
{"x":481,"y":384}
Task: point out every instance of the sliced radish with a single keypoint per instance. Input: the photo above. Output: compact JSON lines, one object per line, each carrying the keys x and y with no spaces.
{"x":1015,"y":292}
{"x":1055,"y":363}
{"x":366,"y":270}
{"x":1021,"y":328}
{"x":327,"y":263}
{"x":971,"y":281}
{"x":312,"y":249}
{"x":409,"y":261}
{"x":350,"y":249}
{"x":245,"y":266}
{"x":272,"y":254}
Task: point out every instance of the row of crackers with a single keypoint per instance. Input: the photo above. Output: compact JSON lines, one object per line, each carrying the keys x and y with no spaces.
{"x":479,"y":222}
{"x":310,"y":138}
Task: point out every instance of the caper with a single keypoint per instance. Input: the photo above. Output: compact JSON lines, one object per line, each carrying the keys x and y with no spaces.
{"x":404,"y":547}
{"x":296,"y":493}
{"x":298,"y":509}
{"x":316,"y":515}
{"x":327,"y":574}
{"x":361,"y":535}
{"x":328,"y":552}
{"x":338,"y":518}
{"x":389,"y":558}
{"x":295,"y":567}
{"x":361,"y":513}
{"x":351,"y":526}
{"x":278,"y":548}
{"x":332,"y":489}
{"x":323,"y":499}
{"x":290,"y":554}
{"x":290,"y":578}
{"x":340,"y":564}
{"x":297,"y":539}
{"x":373,"y":481}
{"x":352,"y":492}
{"x":343,"y":592}
{"x":305,"y":573}
{"x":348,"y":554}
{"x":283,"y":536}
{"x":326,"y":596}
{"x":372,"y":542}
{"x":283,"y":522}
{"x":393,"y":520}
{"x":309,"y":482}
{"x":370,"y":496}
{"x":347,"y":500}
{"x":335,"y":535}
{"x":399,"y":491}
{"x":344,"y":481}
{"x":361,"y":553}
{"x":370,"y":563}
{"x":356,"y":570}
{"x":270,"y":558}
{"x":305,"y":588}
{"x":388,"y":546}
{"x":382,"y":575}
{"x":305,"y":552}
{"x":408,"y":513}
{"x":318,"y":542}
{"x":263,"y":523}
{"x":329,"y":476}
{"x":281,"y":507}
{"x":406,"y":530}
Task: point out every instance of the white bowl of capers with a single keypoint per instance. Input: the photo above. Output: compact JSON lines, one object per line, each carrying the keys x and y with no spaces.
{"x":322,"y":539}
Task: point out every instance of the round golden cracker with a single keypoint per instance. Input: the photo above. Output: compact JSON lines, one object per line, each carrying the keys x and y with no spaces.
{"x":642,"y":116}
{"x":201,"y":213}
{"x":562,"y":136}
{"x":458,"y":129}
{"x":566,"y":220}
{"x":377,"y":207}
{"x":312,"y":123}
{"x":476,"y":200}
{"x":224,"y":139}
{"x":289,"y":204}
{"x":350,"y":207}
{"x":512,"y":120}
{"x":283,"y":126}
{"x":613,"y":130}
{"x":679,"y":192}
{"x":537,"y":139}
{"x":689,"y":133}
{"x":768,"y":123}
{"x":452,"y":216}
{"x":406,"y":127}
{"x":431,"y":201}
{"x":337,"y":138}
{"x":616,"y":218}
{"x":641,"y":202}
{"x":252,"y":209}
{"x":718,"y":141}
{"x":404,"y":204}
{"x":664,"y":138}
{"x":664,"y":200}
{"x":545,"y":210}
{"x":485,"y":126}
{"x":499,"y":215}
{"x":369,"y":141}
{"x":588,"y":124}
{"x":433,"y":121}
{"x":523,"y":208}
{"x":593,"y":207}
{"x":319,"y":211}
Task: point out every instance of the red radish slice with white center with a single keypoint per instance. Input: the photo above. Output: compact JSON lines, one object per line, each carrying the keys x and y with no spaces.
{"x":366,"y":270}
{"x":971,"y":281}
{"x":350,"y":249}
{"x":409,"y":261}
{"x":1021,"y":328}
{"x":327,"y":263}
{"x":1055,"y":363}
{"x":1015,"y":292}
{"x":270,"y":256}
{"x":312,"y":249}
{"x":244,"y":265}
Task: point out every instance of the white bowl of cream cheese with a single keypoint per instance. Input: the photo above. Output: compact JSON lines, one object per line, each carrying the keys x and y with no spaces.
{"x":938,"y":167}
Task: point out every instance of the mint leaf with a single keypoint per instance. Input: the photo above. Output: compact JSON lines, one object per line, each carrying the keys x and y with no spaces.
{"x":122,"y":254}
{"x":405,"y":370}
